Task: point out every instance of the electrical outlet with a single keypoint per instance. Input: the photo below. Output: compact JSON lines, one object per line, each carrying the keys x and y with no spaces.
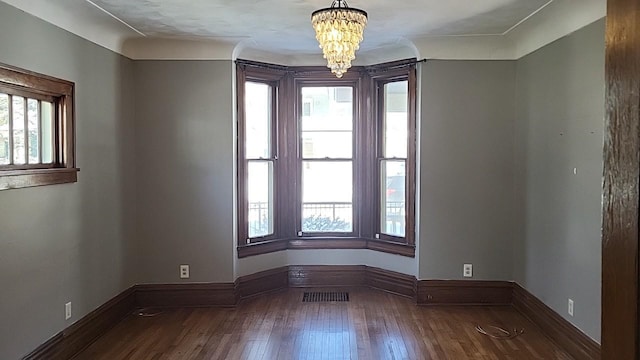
{"x":467,"y":270}
{"x":184,"y":271}
{"x":570,"y":307}
{"x":67,"y":311}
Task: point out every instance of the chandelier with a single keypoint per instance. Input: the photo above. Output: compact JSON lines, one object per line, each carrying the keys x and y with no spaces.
{"x":339,"y":31}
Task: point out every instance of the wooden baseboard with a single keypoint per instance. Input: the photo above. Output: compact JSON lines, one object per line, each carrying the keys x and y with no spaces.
{"x":85,"y":331}
{"x":327,"y":276}
{"x":352,"y":276}
{"x":567,"y":336}
{"x":464,"y":292}
{"x":391,"y":281}
{"x":262,"y":282}
{"x":186,"y":295}
{"x":72,"y":340}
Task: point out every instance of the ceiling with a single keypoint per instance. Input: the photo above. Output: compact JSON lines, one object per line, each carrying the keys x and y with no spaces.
{"x":280,"y":31}
{"x":283,"y":26}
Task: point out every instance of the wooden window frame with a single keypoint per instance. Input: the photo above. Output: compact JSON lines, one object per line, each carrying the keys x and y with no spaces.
{"x":19,"y":82}
{"x":380,"y":80}
{"x":320,"y":79}
{"x":287,"y":165}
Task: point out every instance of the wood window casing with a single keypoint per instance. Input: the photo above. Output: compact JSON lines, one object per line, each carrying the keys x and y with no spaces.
{"x":288,"y":82}
{"x":379,"y":80}
{"x":15,"y":82}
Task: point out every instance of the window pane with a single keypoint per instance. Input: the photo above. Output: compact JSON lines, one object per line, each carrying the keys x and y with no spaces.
{"x":257,"y":120}
{"x":34,"y":132}
{"x":47,"y":132}
{"x":4,"y":129}
{"x":392,"y":214}
{"x":19,"y":146}
{"x":260,"y":197}
{"x":327,"y":196}
{"x":327,"y":145}
{"x":327,"y":122}
{"x":396,"y":101}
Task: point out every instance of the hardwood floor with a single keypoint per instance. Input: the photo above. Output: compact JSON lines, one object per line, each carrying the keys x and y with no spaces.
{"x":372,"y":325}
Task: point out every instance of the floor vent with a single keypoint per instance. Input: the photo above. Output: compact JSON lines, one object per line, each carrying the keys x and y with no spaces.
{"x":325,"y":296}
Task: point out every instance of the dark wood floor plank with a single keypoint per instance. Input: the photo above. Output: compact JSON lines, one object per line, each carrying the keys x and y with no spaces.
{"x":372,"y":325}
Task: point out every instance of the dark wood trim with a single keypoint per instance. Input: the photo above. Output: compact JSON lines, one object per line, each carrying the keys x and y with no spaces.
{"x":16,"y":179}
{"x":412,"y":144}
{"x":186,"y":295}
{"x":29,"y":84}
{"x":391,"y":281}
{"x":43,"y":84}
{"x":327,"y":243}
{"x":620,"y":248}
{"x":327,"y":275}
{"x":270,"y":246}
{"x":76,"y":337}
{"x":352,"y":276}
{"x":287,"y":173}
{"x":85,"y":331}
{"x":259,"y":248}
{"x":464,"y":292}
{"x":392,"y":247}
{"x":262,"y":282}
{"x":559,"y":330}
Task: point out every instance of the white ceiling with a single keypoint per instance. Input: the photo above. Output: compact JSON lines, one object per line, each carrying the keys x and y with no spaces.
{"x":283,"y":26}
{"x":202,"y":29}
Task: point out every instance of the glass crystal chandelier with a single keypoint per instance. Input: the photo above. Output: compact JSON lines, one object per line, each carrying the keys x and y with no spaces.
{"x":339,"y":31}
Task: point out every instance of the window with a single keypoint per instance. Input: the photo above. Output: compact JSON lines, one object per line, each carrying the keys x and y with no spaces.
{"x":259,"y":159}
{"x":393,"y":157}
{"x":326,"y":135}
{"x":326,"y":162}
{"x":36,"y":129}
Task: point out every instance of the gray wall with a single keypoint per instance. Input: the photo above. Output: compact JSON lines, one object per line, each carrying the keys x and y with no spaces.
{"x":560,"y":112}
{"x":156,"y":186}
{"x":466,"y":169}
{"x":67,"y":242}
{"x":184,"y":126}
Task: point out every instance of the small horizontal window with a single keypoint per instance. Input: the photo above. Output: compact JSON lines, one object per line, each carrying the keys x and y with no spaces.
{"x":36,"y":129}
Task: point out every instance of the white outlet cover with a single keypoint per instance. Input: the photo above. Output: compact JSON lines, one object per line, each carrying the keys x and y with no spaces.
{"x":467,"y":270}
{"x":184,"y":271}
{"x":67,"y":311}
{"x":570,"y":307}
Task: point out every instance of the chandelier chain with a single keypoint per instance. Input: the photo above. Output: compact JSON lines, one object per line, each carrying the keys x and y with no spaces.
{"x":341,"y":4}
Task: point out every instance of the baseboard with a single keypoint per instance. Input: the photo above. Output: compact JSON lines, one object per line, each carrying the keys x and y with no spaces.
{"x":391,"y":281}
{"x":262,"y":282}
{"x":352,"y":276}
{"x":228,"y":294}
{"x":85,"y":331}
{"x":464,"y":292}
{"x":327,"y":276}
{"x":186,"y":295}
{"x":73,"y":339}
{"x":567,"y":336}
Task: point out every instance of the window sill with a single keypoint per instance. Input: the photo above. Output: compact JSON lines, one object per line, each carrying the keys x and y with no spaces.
{"x":16,"y":179}
{"x":270,"y":246}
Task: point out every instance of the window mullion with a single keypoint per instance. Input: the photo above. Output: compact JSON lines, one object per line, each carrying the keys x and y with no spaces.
{"x":26,"y":130}
{"x":10,"y":107}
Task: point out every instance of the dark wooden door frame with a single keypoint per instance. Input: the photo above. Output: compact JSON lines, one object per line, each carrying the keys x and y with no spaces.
{"x":621,"y":175}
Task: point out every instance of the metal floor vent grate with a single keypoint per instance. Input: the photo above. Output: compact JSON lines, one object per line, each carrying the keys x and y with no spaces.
{"x":325,"y":296}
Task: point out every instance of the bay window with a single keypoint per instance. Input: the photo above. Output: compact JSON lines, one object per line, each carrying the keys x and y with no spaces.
{"x":326,"y":162}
